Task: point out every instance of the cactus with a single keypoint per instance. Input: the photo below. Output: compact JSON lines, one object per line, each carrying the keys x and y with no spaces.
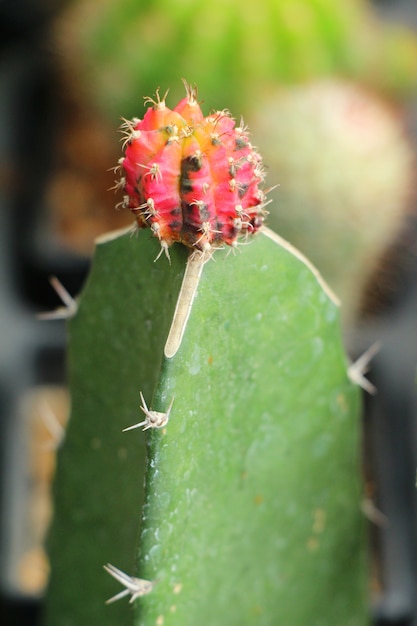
{"x":190,"y":178}
{"x":251,"y":511}
{"x":131,"y":46}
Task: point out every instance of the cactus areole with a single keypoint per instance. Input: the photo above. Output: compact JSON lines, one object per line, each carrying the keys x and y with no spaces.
{"x":191,"y":179}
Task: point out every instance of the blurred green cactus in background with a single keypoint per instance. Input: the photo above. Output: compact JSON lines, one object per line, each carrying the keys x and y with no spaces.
{"x":347,"y":171}
{"x":235,"y":51}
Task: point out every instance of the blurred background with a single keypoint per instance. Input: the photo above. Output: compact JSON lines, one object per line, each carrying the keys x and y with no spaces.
{"x":329,"y":92}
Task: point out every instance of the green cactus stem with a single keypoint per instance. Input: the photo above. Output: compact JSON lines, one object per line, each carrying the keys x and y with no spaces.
{"x":251,"y":512}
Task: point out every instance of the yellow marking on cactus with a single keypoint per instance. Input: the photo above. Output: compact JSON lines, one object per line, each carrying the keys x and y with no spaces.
{"x":186,"y":131}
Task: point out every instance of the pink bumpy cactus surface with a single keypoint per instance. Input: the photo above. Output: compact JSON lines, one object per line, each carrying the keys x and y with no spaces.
{"x":190,"y":178}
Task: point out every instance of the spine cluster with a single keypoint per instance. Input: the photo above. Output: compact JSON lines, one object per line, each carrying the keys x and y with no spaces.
{"x":189,"y":178}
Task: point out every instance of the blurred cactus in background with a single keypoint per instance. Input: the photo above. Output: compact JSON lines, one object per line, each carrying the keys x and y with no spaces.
{"x":347,"y":171}
{"x":235,"y":51}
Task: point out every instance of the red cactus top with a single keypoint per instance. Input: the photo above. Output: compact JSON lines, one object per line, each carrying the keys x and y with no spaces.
{"x":192,"y":179}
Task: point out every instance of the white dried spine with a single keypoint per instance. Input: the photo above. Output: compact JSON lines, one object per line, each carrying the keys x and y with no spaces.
{"x":153,"y":419}
{"x":135,"y":587}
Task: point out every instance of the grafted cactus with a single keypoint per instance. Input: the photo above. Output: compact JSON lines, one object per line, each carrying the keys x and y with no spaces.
{"x":251,"y":510}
